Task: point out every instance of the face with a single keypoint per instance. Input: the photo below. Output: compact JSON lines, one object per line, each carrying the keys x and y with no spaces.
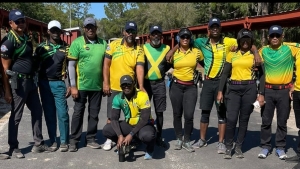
{"x":185,"y":40}
{"x":90,"y":31}
{"x":18,"y":25}
{"x":215,"y":30}
{"x":275,"y":39}
{"x":130,"y":35}
{"x":155,"y":38}
{"x":54,"y":33}
{"x":127,"y":88}
{"x":245,"y":42}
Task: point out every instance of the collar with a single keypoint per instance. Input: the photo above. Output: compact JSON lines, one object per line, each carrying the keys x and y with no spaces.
{"x":134,"y":44}
{"x":61,"y":43}
{"x":87,"y":41}
{"x":221,"y":40}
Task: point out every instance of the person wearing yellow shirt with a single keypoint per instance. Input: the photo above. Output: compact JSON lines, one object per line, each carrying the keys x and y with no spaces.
{"x":183,"y":90}
{"x":241,"y":93}
{"x":123,"y":56}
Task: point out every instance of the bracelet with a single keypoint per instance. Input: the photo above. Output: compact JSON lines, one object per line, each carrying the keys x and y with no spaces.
{"x":131,"y":133}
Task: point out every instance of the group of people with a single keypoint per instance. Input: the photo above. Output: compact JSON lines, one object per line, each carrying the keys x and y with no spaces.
{"x":130,"y":76}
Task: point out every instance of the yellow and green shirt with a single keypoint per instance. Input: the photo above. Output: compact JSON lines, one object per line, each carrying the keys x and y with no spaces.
{"x":279,"y":63}
{"x":89,"y":58}
{"x":132,"y":108}
{"x":155,"y":62}
{"x":214,"y":55}
{"x":242,"y":65}
{"x":185,"y":63}
{"x":123,"y":61}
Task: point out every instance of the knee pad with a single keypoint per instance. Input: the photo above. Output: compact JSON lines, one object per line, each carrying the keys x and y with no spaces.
{"x":222,"y":120}
{"x":205,"y":116}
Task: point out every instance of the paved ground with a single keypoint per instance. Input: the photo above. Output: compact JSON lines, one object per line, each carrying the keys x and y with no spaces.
{"x":204,"y":158}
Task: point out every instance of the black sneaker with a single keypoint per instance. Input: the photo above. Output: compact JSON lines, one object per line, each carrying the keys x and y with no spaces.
{"x":227,"y":154}
{"x":238,"y":153}
{"x":63,"y":147}
{"x":41,"y":148}
{"x":293,"y":159}
{"x":93,"y":145}
{"x":73,"y":148}
{"x":17,"y":153}
{"x":54,"y":146}
{"x":4,"y":156}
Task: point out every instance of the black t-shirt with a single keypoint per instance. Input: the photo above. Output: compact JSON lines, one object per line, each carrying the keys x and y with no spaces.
{"x":52,"y":59}
{"x":20,"y":50}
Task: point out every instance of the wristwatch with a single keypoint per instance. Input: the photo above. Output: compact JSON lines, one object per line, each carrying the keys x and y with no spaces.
{"x":131,"y":133}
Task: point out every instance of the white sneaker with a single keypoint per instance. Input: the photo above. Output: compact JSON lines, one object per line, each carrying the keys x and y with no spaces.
{"x":107,"y":145}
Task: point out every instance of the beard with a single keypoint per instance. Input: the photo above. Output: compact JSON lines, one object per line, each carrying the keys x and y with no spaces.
{"x":129,"y":39}
{"x":155,"y":42}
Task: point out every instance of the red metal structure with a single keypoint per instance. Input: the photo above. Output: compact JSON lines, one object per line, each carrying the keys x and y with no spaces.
{"x":284,"y":19}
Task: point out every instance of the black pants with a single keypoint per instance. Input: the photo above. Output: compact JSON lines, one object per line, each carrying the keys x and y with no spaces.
{"x":280,"y":100}
{"x":240,"y":101}
{"x":296,"y":106}
{"x":183,"y":99}
{"x":157,"y":90}
{"x":146,"y":134}
{"x":26,"y":93}
{"x":94,"y":100}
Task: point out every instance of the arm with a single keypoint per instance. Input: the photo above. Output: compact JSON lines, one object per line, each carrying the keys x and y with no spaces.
{"x":145,"y":114}
{"x":225,"y":74}
{"x":6,"y":65}
{"x":169,"y":55}
{"x":262,"y":81}
{"x":72,"y":72}
{"x":256,"y":54}
{"x":115,"y":116}
{"x":140,"y":76}
{"x":106,"y":75}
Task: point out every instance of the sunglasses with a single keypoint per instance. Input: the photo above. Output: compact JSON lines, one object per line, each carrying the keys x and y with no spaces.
{"x":156,"y":33}
{"x":275,"y":35}
{"x":131,"y":31}
{"x":185,"y":37}
{"x":53,"y":30}
{"x":243,"y":40}
{"x":126,"y":85}
{"x":88,"y":27}
{"x":20,"y":21}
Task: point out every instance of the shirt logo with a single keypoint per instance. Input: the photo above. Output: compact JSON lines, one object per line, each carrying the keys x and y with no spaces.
{"x":46,"y":47}
{"x":147,"y":103}
{"x":108,"y":48}
{"x":87,"y":48}
{"x":4,"y":48}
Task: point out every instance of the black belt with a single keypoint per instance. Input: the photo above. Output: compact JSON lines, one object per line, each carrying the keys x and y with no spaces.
{"x":52,"y":79}
{"x":208,"y":78}
{"x":25,"y":76}
{"x":153,"y":82}
{"x":242,"y":82}
{"x":278,"y":87}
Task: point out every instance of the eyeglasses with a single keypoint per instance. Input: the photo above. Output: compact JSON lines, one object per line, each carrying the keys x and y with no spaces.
{"x":55,"y":29}
{"x":275,"y":35}
{"x":131,"y":31}
{"x":20,"y":21}
{"x":156,"y":33}
{"x":126,"y":85}
{"x":88,"y":27}
{"x":185,"y":37}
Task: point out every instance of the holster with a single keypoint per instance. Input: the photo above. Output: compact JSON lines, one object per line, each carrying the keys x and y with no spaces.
{"x":13,"y":80}
{"x":197,"y":76}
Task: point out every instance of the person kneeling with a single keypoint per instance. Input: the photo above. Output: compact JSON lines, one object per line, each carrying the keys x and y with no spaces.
{"x":138,"y":122}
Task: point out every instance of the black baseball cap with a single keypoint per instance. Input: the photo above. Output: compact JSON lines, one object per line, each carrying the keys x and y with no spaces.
{"x":214,"y":20}
{"x":126,"y":79}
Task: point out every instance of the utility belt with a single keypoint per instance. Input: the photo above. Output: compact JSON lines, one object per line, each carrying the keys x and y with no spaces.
{"x":242,"y":82}
{"x":153,"y":82}
{"x":213,"y":79}
{"x":52,"y":78}
{"x":14,"y":76}
{"x":278,"y":86}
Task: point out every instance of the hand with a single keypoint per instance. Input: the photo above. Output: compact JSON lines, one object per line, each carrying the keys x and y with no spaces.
{"x":143,"y":89}
{"x":74,"y":92}
{"x":291,"y":92}
{"x":68,"y":92}
{"x":8,"y":96}
{"x":257,"y":56}
{"x":120,"y":141}
{"x":261,"y":100}
{"x":127,"y":140}
{"x":233,"y":48}
{"x":220,"y":97}
{"x":106,"y":89}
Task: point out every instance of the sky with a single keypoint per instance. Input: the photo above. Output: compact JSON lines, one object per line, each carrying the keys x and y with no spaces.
{"x":97,"y":8}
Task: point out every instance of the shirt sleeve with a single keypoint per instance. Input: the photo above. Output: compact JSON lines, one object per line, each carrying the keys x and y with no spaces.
{"x":7,"y":49}
{"x":109,"y":50}
{"x":140,"y":56}
{"x":229,"y":57}
{"x":231,"y":42}
{"x":116,"y":102}
{"x":74,"y":50}
{"x":197,"y":43}
{"x":200,"y":55}
{"x":143,"y":101}
{"x":294,"y":50}
{"x":260,"y":51}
